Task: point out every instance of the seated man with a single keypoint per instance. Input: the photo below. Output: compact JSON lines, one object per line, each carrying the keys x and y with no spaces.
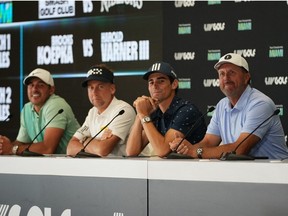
{"x":238,"y":115}
{"x":101,"y":92}
{"x":163,"y":114}
{"x":43,"y":107}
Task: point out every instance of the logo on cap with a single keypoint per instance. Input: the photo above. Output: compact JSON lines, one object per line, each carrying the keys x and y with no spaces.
{"x":94,"y":71}
{"x":161,"y":67}
{"x":156,"y":67}
{"x":228,"y":56}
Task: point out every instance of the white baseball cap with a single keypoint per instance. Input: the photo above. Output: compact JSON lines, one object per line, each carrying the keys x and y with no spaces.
{"x":232,"y":58}
{"x":42,"y":74}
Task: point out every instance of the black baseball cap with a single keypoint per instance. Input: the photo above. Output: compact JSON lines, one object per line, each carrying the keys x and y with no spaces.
{"x":99,"y":73}
{"x":161,"y":67}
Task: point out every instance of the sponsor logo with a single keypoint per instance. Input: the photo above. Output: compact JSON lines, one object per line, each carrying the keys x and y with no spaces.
{"x":279,"y":80}
{"x":53,"y":9}
{"x":246,"y":52}
{"x":106,"y":5}
{"x":184,"y":83}
{"x":244,"y":25}
{"x":276,"y":52}
{"x":213,"y":2}
{"x":207,"y":83}
{"x":213,"y":55}
{"x":184,"y":29}
{"x":184,"y":3}
{"x":184,"y":56}
{"x":15,"y":210}
{"x":214,"y":27}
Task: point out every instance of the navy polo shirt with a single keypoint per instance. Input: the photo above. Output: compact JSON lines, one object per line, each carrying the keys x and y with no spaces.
{"x":181,"y":116}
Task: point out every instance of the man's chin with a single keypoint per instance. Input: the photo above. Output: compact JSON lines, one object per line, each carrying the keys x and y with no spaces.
{"x":156,"y":99}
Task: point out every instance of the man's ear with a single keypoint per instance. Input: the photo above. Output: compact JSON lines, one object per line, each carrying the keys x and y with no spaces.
{"x":175,"y":84}
{"x":52,"y":90}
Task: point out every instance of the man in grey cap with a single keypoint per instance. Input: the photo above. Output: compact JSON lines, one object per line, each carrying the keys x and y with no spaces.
{"x":97,"y":135}
{"x":47,"y":121}
{"x":163,"y":115}
{"x":245,"y":121}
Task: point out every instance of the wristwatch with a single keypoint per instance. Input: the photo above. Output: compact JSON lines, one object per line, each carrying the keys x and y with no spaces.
{"x":15,"y":149}
{"x":199,"y":152}
{"x":146,"y":119}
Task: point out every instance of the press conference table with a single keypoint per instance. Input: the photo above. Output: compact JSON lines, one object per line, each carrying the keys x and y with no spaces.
{"x":116,"y":186}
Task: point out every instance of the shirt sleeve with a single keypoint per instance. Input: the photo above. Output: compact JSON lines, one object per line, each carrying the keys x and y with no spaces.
{"x":23,"y":133}
{"x":257,"y":117}
{"x":84,"y":131}
{"x":122,"y":124}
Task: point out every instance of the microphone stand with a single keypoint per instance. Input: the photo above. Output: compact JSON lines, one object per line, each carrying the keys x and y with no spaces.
{"x":82,"y":153}
{"x":174,"y":154}
{"x":230,"y":156}
{"x":27,"y":152}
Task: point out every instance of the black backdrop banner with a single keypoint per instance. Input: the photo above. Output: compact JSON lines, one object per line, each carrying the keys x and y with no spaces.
{"x":67,"y":37}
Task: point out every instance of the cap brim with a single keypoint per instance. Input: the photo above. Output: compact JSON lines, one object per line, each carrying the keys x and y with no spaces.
{"x":146,"y":75}
{"x":218,"y":64}
{"x":26,"y":81}
{"x":102,"y":79}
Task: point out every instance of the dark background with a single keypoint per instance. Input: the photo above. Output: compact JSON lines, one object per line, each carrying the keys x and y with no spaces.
{"x":161,"y":23}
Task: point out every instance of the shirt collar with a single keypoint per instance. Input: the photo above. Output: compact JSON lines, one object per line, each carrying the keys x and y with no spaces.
{"x":241,"y":103}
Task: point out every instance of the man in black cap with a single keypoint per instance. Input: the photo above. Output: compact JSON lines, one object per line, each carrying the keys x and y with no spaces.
{"x":101,"y":92}
{"x":163,"y":114}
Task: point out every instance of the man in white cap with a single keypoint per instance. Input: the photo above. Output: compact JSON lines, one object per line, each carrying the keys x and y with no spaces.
{"x":245,"y":121}
{"x":108,"y":122}
{"x":163,"y":114}
{"x":43,"y":106}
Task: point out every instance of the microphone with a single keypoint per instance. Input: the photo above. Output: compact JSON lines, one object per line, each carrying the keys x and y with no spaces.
{"x":27,"y":152}
{"x":8,"y":118}
{"x":174,"y":154}
{"x":82,"y":153}
{"x":233,"y":156}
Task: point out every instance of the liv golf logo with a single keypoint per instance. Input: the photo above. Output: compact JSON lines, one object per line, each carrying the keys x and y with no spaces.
{"x":15,"y":210}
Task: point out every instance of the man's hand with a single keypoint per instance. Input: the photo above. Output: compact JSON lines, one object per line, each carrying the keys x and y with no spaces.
{"x":5,"y":145}
{"x":145,"y":105}
{"x":183,"y":148}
